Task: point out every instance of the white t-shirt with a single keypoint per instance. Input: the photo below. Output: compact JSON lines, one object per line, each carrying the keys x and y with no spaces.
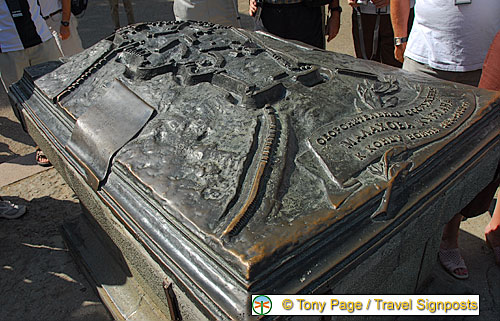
{"x":49,"y":6}
{"x":34,"y":30}
{"x":453,"y":37}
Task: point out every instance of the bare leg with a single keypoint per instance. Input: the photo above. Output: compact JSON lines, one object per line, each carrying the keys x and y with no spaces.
{"x":129,"y":10}
{"x":494,"y":224}
{"x":492,"y":232}
{"x":449,"y":239}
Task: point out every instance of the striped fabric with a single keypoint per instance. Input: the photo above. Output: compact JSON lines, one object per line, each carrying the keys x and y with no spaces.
{"x":21,"y":25}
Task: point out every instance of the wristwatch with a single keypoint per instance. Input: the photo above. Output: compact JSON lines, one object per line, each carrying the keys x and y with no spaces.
{"x":337,"y":8}
{"x":398,"y":41}
{"x":65,"y":23}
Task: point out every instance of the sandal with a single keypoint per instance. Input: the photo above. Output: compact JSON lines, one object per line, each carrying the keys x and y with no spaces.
{"x":41,"y":159}
{"x":11,"y":211}
{"x":451,"y":260}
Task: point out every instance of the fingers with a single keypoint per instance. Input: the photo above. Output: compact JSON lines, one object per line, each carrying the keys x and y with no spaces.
{"x":353,"y":3}
{"x":252,"y":7}
{"x":333,"y":26}
{"x":64,"y":32}
{"x":399,"y":52}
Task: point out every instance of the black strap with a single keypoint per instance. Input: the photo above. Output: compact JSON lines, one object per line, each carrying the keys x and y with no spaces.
{"x":52,"y":14}
{"x":361,"y":34}
{"x":316,"y":3}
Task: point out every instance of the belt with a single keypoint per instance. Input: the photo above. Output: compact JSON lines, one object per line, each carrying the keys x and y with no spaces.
{"x":52,"y":14}
{"x":282,"y":5}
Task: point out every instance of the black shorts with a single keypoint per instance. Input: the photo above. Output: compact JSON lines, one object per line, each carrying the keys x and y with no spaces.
{"x":296,"y":22}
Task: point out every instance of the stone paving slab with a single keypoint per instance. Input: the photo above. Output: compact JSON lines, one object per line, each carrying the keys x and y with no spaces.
{"x":19,"y":168}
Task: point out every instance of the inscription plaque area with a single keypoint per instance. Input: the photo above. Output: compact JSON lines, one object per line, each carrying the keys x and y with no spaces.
{"x":257,"y":165}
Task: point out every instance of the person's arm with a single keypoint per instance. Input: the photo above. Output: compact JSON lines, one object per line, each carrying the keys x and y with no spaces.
{"x":333,"y":24}
{"x":400,"y":12}
{"x":66,"y":15}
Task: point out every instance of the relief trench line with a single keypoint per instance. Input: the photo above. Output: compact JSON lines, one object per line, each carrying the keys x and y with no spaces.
{"x":245,"y":213}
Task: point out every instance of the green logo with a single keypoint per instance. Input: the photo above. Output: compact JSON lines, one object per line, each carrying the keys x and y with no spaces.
{"x":262,"y":305}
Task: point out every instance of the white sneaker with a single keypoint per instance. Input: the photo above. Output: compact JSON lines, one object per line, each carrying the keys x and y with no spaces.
{"x":11,"y":211}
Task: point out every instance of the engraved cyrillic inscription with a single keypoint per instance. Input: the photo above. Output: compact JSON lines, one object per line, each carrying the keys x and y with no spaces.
{"x":362,"y":139}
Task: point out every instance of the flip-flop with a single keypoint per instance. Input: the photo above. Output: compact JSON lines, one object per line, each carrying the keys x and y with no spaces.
{"x":41,"y":159}
{"x":451,"y":260}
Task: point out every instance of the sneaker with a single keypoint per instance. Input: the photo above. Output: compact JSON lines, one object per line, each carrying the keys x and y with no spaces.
{"x":11,"y":211}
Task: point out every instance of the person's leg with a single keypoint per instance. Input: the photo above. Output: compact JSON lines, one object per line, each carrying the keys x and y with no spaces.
{"x":493,"y":228}
{"x":449,"y":254}
{"x":295,"y":22}
{"x":274,"y":20}
{"x":492,"y":231}
{"x":54,"y":24}
{"x":46,"y":51}
{"x":73,"y":44}
{"x":386,"y":42}
{"x":449,"y":239}
{"x":129,"y":10}
{"x":12,"y":66}
{"x":114,"y":13}
{"x":305,"y":24}
{"x":468,"y":77}
{"x":224,"y":12}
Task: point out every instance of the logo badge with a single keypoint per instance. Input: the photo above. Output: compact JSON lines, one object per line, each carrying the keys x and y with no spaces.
{"x":262,"y":305}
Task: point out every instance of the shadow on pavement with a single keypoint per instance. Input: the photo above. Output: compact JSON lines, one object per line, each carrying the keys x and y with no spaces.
{"x":35,"y":266}
{"x":13,"y":130}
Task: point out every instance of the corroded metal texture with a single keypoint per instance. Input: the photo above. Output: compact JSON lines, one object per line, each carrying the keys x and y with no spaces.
{"x":266,"y":166}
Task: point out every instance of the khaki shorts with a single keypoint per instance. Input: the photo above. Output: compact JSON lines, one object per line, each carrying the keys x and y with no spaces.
{"x":12,"y":63}
{"x":466,"y":77}
{"x":73,"y":44}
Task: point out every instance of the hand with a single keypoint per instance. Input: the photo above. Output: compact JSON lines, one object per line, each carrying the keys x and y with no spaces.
{"x":381,"y":3}
{"x":333,"y":25}
{"x":399,"y":52}
{"x":64,"y":32}
{"x":353,"y":3}
{"x":252,"y":8}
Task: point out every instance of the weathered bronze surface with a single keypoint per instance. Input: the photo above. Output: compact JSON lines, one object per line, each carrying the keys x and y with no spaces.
{"x":248,"y":164}
{"x":103,"y":129}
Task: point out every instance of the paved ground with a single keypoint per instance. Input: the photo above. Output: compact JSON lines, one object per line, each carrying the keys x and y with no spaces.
{"x":38,"y":278}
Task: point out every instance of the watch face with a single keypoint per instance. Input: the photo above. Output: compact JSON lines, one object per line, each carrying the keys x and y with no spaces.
{"x":400,"y":41}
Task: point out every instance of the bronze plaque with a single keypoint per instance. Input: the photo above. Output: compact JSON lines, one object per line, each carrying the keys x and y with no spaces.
{"x":247,"y":164}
